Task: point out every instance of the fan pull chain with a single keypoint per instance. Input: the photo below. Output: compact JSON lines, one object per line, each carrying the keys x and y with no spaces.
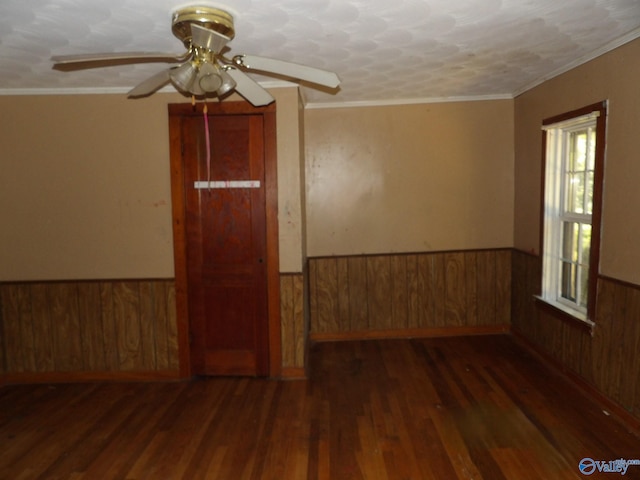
{"x":205,"y":111}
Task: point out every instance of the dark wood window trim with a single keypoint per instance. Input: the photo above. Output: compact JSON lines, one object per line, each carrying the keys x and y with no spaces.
{"x":596,"y":217}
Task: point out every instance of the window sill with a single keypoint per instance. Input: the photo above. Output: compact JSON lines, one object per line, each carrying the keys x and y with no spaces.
{"x":566,"y":314}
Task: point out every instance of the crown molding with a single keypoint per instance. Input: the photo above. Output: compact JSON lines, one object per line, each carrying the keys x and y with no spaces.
{"x":408,"y":101}
{"x":629,"y":37}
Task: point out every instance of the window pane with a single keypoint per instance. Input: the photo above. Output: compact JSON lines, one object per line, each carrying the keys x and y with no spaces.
{"x":583,"y":267}
{"x":579,"y":172}
{"x":574,"y":272}
{"x":570,"y":242}
{"x":589,"y":193}
{"x":583,"y":274}
{"x":578,"y":153}
{"x":591,"y":149}
{"x":575,"y":192}
{"x":585,"y":244}
{"x":570,"y":252}
{"x":590,"y":155}
{"x":568,"y":290}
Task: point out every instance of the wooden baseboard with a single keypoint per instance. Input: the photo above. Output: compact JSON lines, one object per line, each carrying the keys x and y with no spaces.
{"x":409,"y":333}
{"x":611,"y":406}
{"x":81,"y":377}
{"x":293,"y":373}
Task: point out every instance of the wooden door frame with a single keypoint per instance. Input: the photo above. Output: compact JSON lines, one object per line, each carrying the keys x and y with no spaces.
{"x":176,"y":112}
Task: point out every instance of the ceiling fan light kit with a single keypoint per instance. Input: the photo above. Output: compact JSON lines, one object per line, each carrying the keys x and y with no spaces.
{"x":203,"y":70}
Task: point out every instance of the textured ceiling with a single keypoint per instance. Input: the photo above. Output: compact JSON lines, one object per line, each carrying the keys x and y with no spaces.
{"x":398,"y":50}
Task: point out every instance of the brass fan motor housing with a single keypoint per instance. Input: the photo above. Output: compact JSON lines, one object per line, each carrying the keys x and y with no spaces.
{"x":206,"y":17}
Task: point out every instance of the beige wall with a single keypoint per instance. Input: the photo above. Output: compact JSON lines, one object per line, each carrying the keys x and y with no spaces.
{"x":85,"y":186}
{"x":408,"y":178}
{"x":614,"y":76}
{"x":290,"y":179}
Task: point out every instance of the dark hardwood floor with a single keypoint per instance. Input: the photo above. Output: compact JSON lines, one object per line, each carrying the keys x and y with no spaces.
{"x":446,"y":408}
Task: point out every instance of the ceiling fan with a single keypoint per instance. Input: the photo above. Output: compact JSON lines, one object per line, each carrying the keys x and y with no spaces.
{"x":203,"y":70}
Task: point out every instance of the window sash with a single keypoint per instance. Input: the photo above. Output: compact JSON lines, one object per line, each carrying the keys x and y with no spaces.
{"x":578,"y":169}
{"x":574,"y":271}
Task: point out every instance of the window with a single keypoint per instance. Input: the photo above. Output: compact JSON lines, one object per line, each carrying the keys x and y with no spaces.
{"x":573,"y":173}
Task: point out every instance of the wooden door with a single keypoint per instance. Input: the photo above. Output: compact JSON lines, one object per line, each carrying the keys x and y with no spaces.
{"x":226,"y":255}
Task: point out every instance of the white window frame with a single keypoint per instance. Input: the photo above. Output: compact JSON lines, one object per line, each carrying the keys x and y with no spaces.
{"x":557,"y":136}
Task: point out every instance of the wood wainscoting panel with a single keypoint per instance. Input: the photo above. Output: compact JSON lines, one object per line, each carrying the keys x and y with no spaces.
{"x":455,"y":289}
{"x":92,"y":333}
{"x":324,"y":284}
{"x":35,"y":299}
{"x":605,"y":359}
{"x":294,"y":324}
{"x":615,"y":362}
{"x":367,"y":295}
{"x":126,"y":317}
{"x":87,"y":329}
{"x":380,"y":291}
{"x":430,"y":280}
{"x":630,"y":383}
{"x":65,"y":326}
{"x":526,"y":280}
{"x":399,"y":295}
{"x":353,"y":283}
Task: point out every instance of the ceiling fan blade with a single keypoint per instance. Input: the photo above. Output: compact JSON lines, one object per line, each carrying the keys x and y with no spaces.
{"x":288,"y":69}
{"x":206,"y":38}
{"x":249,"y":89}
{"x":63,"y":60}
{"x":151,"y":84}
